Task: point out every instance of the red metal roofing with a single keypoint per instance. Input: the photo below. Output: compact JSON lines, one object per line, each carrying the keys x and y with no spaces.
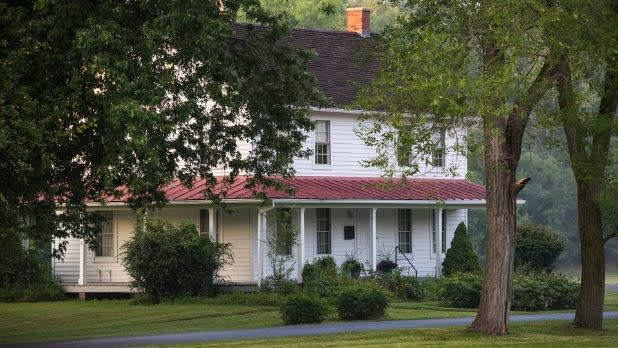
{"x":338,"y":188}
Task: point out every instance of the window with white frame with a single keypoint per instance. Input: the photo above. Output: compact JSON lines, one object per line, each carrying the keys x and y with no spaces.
{"x":204,"y":222}
{"x":438,"y":154}
{"x":323,"y":230}
{"x":443,"y":239}
{"x":434,"y":226}
{"x":442,"y":232}
{"x":105,"y":236}
{"x":285,"y":231}
{"x":322,"y":142}
{"x":404,"y":217}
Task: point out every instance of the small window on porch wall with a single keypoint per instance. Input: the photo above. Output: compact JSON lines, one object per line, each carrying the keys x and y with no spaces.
{"x":284,"y":231}
{"x":405,"y":230}
{"x":105,"y":236}
{"x":204,"y":222}
{"x":434,"y":225}
{"x":323,"y":230}
{"x":443,"y":239}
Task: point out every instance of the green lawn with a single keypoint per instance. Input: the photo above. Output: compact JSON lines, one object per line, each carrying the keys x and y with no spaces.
{"x":537,"y":334}
{"x":46,"y":321}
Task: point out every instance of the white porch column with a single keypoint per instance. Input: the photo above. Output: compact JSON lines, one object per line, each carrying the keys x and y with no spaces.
{"x":212,"y":227}
{"x":261,"y":234}
{"x":301,"y":246}
{"x":438,"y":212}
{"x":82,"y":262}
{"x":374,"y":233}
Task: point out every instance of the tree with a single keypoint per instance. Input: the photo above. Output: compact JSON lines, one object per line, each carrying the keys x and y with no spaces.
{"x":331,"y":14}
{"x":588,"y":101}
{"x":101,"y":95}
{"x":460,"y":257}
{"x":451,"y":65}
{"x":537,"y":247}
{"x":281,"y":239}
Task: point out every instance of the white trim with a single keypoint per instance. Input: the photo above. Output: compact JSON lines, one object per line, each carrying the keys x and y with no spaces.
{"x":373,"y":238}
{"x":359,"y":203}
{"x":439,"y":213}
{"x":82,"y":262}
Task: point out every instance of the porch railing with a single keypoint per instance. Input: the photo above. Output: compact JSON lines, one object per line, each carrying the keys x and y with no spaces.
{"x":399,"y":251}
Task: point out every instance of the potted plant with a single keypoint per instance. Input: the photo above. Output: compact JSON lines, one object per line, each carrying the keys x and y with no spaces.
{"x":352,"y":265}
{"x":386,"y":264}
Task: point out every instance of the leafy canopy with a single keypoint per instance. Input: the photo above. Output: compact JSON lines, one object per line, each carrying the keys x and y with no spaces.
{"x":97,"y":95}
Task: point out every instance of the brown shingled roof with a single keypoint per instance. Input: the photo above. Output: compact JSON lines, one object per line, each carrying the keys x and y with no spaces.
{"x":343,"y":61}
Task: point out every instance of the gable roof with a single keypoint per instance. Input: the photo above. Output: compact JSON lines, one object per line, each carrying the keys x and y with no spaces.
{"x":342,"y":61}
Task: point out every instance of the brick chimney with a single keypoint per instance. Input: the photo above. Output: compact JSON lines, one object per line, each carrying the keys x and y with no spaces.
{"x":358,"y":20}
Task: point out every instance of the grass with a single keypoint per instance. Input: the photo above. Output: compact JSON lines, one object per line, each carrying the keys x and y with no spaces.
{"x":71,"y":319}
{"x":536,"y":334}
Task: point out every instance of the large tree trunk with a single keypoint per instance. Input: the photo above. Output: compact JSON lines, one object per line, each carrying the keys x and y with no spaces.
{"x":589,"y":311}
{"x":493,"y":313}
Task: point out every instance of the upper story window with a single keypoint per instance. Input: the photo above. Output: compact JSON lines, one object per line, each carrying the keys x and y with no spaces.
{"x":322,"y":142}
{"x":105,"y":236}
{"x":438,"y":153}
{"x":404,"y":217}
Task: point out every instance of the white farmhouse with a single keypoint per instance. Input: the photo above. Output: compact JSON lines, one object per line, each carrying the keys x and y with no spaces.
{"x":339,"y":206}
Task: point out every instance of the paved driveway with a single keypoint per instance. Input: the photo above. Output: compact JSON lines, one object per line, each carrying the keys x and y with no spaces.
{"x":288,"y":331}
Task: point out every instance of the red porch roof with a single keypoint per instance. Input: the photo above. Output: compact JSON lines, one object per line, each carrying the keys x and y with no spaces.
{"x":340,"y":188}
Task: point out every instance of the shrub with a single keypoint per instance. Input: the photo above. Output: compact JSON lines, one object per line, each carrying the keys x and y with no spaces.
{"x":320,"y":277}
{"x":24,"y":274}
{"x":460,"y":290}
{"x":537,"y":247}
{"x":173,"y":261}
{"x":460,"y":257}
{"x":361,"y":302}
{"x":538,"y":291}
{"x":302,"y":309}
{"x":404,"y":287}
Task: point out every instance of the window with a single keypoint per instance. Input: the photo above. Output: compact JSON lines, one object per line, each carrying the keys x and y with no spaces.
{"x":285,"y":231}
{"x":435,"y":228}
{"x":105,"y":236}
{"x":403,"y":148}
{"x":322,"y":142}
{"x":405,"y":230}
{"x":323,"y":230}
{"x":438,"y":153}
{"x":443,"y":231}
{"x":204,"y":222}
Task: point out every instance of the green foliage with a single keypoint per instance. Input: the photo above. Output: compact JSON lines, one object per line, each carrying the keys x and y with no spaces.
{"x":404,"y":287}
{"x":281,"y":239}
{"x":24,"y":274}
{"x":302,"y":309}
{"x":100,"y":95}
{"x":320,"y":277}
{"x":461,"y":290}
{"x":331,"y":14}
{"x":461,"y":256}
{"x":173,"y":261}
{"x":539,"y":291}
{"x":362,"y":302}
{"x":537,"y":247}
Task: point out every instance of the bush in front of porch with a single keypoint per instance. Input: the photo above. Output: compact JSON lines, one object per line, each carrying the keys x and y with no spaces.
{"x":169,"y":261}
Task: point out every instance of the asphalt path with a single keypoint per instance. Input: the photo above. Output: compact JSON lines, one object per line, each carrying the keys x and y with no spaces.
{"x":290,"y":331}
